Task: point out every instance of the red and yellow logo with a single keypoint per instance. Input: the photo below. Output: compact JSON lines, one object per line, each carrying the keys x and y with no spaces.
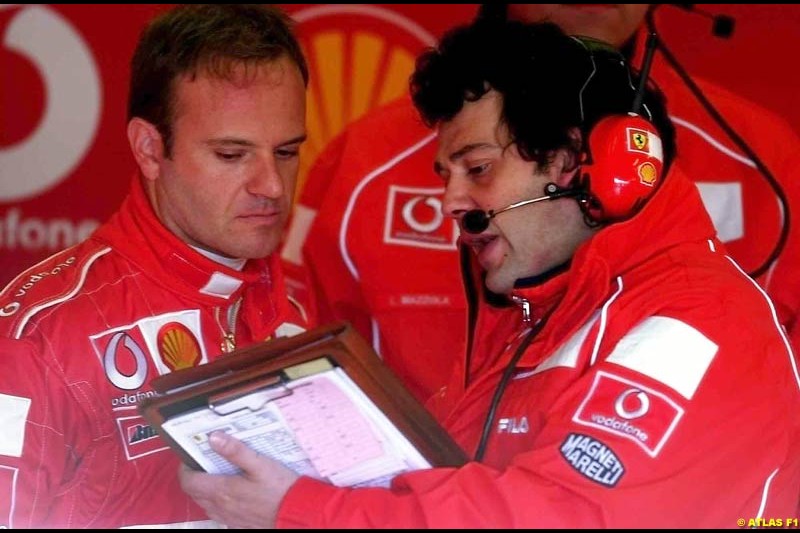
{"x":359,"y":57}
{"x":177,"y":346}
{"x":638,"y":140}
{"x":648,"y":174}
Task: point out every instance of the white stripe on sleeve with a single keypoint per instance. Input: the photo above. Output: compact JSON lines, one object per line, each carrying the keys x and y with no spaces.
{"x":668,"y":351}
{"x":13,"y":415}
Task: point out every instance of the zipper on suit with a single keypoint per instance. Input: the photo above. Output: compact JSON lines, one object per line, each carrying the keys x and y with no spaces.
{"x":228,"y":330}
{"x":525,"y":306}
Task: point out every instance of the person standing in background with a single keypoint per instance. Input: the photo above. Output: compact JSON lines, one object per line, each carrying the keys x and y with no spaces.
{"x":184,"y":272}
{"x":380,"y":255}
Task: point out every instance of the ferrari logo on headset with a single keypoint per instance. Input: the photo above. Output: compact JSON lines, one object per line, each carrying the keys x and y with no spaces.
{"x":638,"y":140}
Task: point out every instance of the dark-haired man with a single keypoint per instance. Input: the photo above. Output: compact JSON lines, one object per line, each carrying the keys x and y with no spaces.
{"x":379,"y":253}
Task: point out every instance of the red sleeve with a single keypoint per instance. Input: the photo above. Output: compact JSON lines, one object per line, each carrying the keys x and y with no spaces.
{"x":779,"y":147}
{"x":678,"y":467}
{"x":37,"y":425}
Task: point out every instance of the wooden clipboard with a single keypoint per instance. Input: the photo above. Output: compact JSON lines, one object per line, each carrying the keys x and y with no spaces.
{"x":262,"y":371}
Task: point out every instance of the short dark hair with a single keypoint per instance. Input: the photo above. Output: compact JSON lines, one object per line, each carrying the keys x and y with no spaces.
{"x":215,"y":37}
{"x":550,"y":83}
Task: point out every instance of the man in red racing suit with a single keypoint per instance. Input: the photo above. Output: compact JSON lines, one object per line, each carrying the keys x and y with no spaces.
{"x":378,"y":252}
{"x":182,"y":273}
{"x":77,"y":453}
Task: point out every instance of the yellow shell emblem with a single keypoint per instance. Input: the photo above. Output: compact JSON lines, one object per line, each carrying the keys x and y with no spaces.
{"x":359,"y":57}
{"x":177,"y":346}
{"x":648,"y":174}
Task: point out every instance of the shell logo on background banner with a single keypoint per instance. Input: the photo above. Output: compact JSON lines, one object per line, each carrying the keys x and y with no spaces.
{"x":359,"y":57}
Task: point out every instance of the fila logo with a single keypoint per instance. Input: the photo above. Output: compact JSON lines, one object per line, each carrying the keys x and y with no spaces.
{"x":513,"y":425}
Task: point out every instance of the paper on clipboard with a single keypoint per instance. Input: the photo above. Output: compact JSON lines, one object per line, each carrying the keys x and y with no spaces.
{"x":322,"y":403}
{"x":320,"y":425}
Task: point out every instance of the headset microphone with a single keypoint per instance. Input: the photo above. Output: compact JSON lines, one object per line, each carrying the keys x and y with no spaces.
{"x":477,"y":220}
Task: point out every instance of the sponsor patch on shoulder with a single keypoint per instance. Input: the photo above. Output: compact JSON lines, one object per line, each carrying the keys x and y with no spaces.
{"x":13,"y":416}
{"x":592,"y":459}
{"x":630,"y":410}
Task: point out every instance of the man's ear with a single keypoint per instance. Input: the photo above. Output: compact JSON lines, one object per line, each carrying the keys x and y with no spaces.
{"x":568,"y":159}
{"x":147,"y":147}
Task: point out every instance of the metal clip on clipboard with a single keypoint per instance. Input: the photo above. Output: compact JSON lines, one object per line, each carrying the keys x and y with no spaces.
{"x":252,"y":396}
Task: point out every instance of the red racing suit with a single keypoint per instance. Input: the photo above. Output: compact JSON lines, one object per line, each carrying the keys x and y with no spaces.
{"x":85,"y":332}
{"x":379,"y":253}
{"x":657,"y":390}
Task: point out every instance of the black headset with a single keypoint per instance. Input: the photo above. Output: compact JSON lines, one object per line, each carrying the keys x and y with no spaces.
{"x":623,"y":161}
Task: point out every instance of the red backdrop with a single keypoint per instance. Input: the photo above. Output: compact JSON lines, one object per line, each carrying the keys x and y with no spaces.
{"x":64,"y":159}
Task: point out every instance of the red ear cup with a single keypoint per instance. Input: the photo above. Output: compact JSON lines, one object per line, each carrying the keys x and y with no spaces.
{"x":625,"y":167}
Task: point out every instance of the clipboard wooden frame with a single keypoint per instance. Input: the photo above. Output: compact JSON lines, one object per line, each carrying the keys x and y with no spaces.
{"x":261,"y":365}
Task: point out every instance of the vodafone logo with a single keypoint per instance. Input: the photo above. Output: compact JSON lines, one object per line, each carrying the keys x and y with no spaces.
{"x":414,"y":218}
{"x":434,"y":211}
{"x":630,"y":410}
{"x":123,"y":347}
{"x":71,"y":112}
{"x":631,"y":404}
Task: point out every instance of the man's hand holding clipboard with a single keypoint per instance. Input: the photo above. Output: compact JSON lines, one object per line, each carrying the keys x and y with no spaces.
{"x":321,"y":403}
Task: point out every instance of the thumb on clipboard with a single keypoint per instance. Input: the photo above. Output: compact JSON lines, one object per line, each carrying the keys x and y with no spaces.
{"x":255,"y":493}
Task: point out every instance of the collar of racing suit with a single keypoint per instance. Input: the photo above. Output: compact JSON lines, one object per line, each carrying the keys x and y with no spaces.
{"x":136,"y":233}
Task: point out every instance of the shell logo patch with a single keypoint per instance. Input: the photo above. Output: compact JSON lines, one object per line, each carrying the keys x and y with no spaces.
{"x":177,"y":346}
{"x":648,"y":174}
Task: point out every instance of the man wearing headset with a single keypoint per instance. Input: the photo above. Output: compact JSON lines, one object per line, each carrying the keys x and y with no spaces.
{"x":618,"y":357}
{"x":379,"y":255}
